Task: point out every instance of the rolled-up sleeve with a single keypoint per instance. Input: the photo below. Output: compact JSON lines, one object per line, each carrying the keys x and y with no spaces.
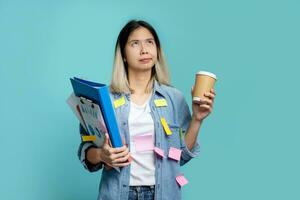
{"x":184,"y":120}
{"x":82,"y":150}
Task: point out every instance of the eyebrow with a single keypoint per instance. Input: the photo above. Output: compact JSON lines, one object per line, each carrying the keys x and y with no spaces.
{"x":140,"y":40}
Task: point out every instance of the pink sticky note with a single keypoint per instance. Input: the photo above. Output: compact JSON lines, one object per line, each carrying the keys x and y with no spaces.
{"x":174,"y":153}
{"x":144,"y":142}
{"x":181,"y":180}
{"x":159,"y":152}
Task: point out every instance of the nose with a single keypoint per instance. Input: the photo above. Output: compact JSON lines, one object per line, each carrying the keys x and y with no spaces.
{"x":144,"y":50}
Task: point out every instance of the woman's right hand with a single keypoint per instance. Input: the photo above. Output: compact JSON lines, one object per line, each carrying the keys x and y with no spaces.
{"x":114,"y":157}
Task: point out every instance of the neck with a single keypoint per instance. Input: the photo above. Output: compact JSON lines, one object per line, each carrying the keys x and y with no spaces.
{"x":139,"y":81}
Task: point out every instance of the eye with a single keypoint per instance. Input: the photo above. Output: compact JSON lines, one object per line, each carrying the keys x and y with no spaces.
{"x":150,"y":42}
{"x":135,"y":43}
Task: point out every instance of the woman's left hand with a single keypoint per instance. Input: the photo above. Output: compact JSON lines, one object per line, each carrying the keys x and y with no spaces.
{"x":202,"y":110}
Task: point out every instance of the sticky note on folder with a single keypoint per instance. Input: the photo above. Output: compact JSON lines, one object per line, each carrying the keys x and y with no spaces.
{"x":88,"y":138}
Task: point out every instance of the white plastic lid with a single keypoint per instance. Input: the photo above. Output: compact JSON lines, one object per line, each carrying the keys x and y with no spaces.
{"x":207,"y":74}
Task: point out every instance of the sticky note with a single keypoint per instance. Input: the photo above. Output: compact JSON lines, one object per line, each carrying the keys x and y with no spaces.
{"x":160,"y":102}
{"x":143,"y":142}
{"x":174,"y":153}
{"x":119,"y":102}
{"x":159,"y":152}
{"x":181,"y":180}
{"x":165,"y":126}
{"x":88,"y":138}
{"x":180,"y":133}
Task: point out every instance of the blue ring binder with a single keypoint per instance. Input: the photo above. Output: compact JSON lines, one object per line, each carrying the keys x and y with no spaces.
{"x":99,"y":93}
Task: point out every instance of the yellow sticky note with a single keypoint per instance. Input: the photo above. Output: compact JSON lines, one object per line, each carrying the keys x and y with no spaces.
{"x":160,"y":102}
{"x":165,"y":126}
{"x":119,"y":102}
{"x":88,"y":138}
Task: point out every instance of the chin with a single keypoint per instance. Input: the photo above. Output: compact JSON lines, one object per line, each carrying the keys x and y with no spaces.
{"x":145,"y":66}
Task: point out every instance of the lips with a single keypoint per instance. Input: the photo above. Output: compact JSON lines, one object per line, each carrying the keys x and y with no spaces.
{"x":145,"y":60}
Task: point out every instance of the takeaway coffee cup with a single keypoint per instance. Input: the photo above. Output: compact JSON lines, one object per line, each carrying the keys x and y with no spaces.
{"x":204,"y":82}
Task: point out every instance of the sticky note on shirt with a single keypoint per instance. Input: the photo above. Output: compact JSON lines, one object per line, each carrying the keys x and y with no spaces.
{"x":160,"y":102}
{"x":144,"y":142}
{"x":174,"y":153}
{"x":88,"y":138}
{"x":119,"y":102}
{"x":159,"y":152}
{"x":181,"y":133}
{"x":165,"y":126}
{"x":181,"y":180}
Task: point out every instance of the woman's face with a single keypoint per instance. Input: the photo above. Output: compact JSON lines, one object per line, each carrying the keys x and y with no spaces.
{"x":141,"y":50}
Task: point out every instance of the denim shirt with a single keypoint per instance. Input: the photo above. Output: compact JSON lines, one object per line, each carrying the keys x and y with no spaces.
{"x":114,"y":185}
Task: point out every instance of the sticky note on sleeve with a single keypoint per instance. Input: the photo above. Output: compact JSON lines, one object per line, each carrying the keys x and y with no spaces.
{"x":88,"y":138}
{"x":181,"y":180}
{"x":165,"y":126}
{"x":119,"y":102}
{"x":174,"y":153}
{"x":160,"y":102}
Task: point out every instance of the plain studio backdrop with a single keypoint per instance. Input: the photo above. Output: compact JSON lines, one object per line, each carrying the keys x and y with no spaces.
{"x":249,"y":144}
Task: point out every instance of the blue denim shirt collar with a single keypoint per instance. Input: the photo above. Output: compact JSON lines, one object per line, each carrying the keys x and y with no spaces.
{"x":157,"y":89}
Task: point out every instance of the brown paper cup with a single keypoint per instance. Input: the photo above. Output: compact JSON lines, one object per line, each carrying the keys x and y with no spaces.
{"x":204,"y":82}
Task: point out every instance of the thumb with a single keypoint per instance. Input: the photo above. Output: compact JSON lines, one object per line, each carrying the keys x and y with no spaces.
{"x":106,"y":139}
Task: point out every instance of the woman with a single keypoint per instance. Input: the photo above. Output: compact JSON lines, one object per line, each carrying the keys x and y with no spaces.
{"x":151,"y":114}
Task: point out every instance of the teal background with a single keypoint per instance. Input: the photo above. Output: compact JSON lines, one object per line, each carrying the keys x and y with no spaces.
{"x":250,"y":143}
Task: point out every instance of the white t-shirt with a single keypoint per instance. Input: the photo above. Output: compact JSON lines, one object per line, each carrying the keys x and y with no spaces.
{"x":140,"y":122}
